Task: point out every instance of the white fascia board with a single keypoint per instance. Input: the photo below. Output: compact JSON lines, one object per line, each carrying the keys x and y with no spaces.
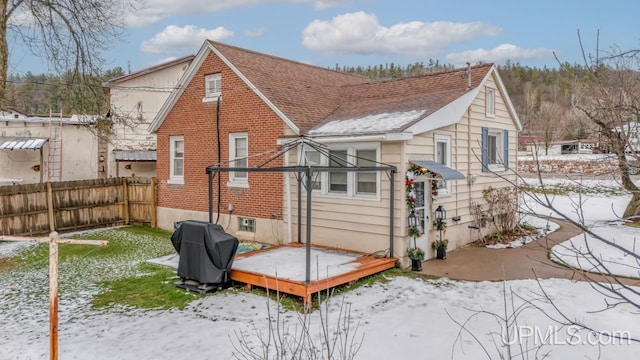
{"x":505,"y":95}
{"x":447,"y":115}
{"x":284,"y":117}
{"x":186,"y":78}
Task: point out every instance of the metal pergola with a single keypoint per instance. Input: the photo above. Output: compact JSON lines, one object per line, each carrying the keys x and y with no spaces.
{"x":307,"y":172}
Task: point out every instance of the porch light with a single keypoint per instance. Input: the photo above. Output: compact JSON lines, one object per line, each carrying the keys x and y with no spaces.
{"x":412,"y":219}
{"x":441,"y":214}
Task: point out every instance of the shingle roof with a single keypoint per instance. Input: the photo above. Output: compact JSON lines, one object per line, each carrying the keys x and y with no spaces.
{"x":307,"y":94}
{"x":312,"y":96}
{"x":320,"y":102}
{"x":425,"y":93}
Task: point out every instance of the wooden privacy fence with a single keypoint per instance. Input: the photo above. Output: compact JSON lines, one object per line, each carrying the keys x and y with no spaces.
{"x":34,"y":209}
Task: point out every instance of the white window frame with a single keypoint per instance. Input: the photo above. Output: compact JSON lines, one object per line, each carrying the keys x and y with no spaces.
{"x":212,"y":95}
{"x":352,"y":178}
{"x":490,"y":101}
{"x":446,"y":190}
{"x":317,"y":176}
{"x":173,"y":178}
{"x":499,"y":135}
{"x":235,"y":181}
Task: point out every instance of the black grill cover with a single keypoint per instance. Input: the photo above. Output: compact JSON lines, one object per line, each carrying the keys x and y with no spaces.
{"x":206,"y":251}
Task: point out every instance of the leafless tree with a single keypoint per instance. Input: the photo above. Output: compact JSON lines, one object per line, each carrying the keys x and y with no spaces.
{"x":549,"y":122}
{"x":71,"y":34}
{"x":611,"y":101}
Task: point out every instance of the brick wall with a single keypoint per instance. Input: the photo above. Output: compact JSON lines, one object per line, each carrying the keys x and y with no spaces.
{"x":241,"y":111}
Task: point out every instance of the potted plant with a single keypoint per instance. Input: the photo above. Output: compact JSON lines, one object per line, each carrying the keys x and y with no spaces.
{"x":440,"y":246}
{"x":416,"y":255}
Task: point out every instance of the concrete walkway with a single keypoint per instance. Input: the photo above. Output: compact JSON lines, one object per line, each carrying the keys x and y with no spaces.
{"x":526,"y":262}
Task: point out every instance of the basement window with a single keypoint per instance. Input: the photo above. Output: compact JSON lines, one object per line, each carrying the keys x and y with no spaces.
{"x":246,"y":224}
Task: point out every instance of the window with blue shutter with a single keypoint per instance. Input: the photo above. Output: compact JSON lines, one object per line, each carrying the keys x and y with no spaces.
{"x":505,"y":154}
{"x":495,"y":149}
{"x":485,"y":149}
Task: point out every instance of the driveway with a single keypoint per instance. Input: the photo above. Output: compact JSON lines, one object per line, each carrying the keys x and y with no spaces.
{"x":526,"y":262}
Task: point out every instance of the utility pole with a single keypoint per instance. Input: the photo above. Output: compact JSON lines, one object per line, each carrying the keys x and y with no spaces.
{"x":53,"y":241}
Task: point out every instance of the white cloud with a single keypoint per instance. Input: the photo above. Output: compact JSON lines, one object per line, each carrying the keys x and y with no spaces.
{"x":155,"y":10}
{"x":500,"y":54}
{"x":326,"y":4}
{"x":177,"y":40}
{"x":257,"y":32}
{"x":360,"y":33}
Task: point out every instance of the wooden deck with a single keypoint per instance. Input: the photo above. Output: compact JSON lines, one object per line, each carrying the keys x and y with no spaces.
{"x":363,"y":265}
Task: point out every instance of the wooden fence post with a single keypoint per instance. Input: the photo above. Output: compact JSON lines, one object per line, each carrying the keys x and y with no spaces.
{"x":125,"y":196}
{"x":53,"y":297}
{"x":154,"y":205}
{"x":52,"y":219}
{"x":53,"y":241}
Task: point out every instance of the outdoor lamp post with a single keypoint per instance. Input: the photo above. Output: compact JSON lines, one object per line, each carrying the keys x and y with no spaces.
{"x":413,"y":223}
{"x":441,"y":215}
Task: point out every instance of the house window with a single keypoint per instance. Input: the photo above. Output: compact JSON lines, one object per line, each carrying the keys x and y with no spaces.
{"x":176,"y":159}
{"x":238,"y":152}
{"x":443,"y":156}
{"x":313,"y":158}
{"x":338,"y":179}
{"x":351,"y":183}
{"x":495,"y":149}
{"x":212,"y":86}
{"x":246,"y":224}
{"x":366,"y":181}
{"x":490,"y":101}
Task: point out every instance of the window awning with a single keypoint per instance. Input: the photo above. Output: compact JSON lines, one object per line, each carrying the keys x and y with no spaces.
{"x":135,"y":155}
{"x":21,"y":143}
{"x":444,"y":171}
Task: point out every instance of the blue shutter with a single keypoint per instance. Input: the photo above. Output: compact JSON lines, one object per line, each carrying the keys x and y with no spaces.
{"x":505,"y":140}
{"x":485,"y":149}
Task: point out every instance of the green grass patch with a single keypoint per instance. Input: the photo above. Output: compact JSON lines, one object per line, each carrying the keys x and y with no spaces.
{"x":152,"y":290}
{"x":7,"y":264}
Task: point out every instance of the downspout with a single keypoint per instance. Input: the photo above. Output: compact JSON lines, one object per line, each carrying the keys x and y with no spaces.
{"x":457,"y":151}
{"x":469,"y":153}
{"x":219,"y":154}
{"x":287,"y":185}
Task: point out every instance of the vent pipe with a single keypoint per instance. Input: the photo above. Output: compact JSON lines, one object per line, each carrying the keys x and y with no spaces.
{"x":468,"y":75}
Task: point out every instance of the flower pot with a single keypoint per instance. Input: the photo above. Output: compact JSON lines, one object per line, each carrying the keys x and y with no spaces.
{"x":416,"y":265}
{"x":441,"y":253}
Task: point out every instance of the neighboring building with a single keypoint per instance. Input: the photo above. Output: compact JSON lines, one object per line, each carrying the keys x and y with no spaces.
{"x":134,"y":101}
{"x":532,"y":145}
{"x":39,"y":149}
{"x":233,"y":104}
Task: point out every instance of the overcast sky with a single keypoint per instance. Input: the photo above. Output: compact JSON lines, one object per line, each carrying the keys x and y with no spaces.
{"x":370,"y":32}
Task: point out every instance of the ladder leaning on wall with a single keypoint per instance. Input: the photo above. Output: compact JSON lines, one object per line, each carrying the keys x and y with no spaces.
{"x":54,"y":163}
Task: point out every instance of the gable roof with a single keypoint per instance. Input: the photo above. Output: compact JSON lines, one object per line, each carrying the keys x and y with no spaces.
{"x":301,"y":94}
{"x":396,"y":105}
{"x":320,"y":102}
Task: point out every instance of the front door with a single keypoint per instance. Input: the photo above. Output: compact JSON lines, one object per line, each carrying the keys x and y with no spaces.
{"x":422,"y":212}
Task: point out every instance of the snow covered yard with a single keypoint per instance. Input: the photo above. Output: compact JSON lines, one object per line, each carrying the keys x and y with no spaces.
{"x":399,"y":319}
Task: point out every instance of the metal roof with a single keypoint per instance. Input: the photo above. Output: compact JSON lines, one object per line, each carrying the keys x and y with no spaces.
{"x":21,"y":143}
{"x":444,"y":171}
{"x":135,"y":155}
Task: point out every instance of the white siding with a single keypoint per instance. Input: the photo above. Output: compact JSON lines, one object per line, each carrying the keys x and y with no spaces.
{"x":138,"y":100}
